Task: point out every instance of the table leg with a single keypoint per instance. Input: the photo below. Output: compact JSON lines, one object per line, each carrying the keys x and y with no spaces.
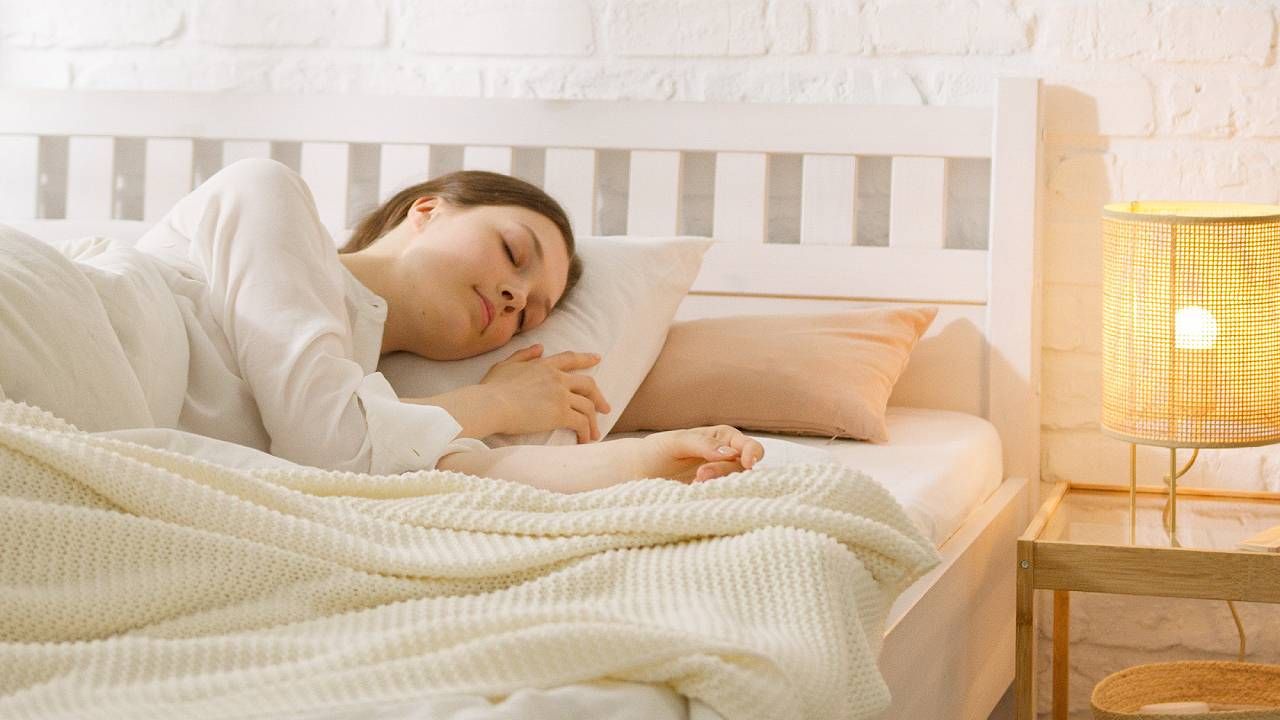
{"x":1024,"y":683}
{"x":1061,"y":661}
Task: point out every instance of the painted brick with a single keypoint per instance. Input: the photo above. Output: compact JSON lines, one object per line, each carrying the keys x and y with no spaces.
{"x":276,"y":23}
{"x":497,"y":27}
{"x":1066,"y":30}
{"x":1071,"y":251}
{"x":1073,"y":317}
{"x":806,"y":85}
{"x":1124,"y":30}
{"x":920,"y":27}
{"x":788,"y":24}
{"x":1122,"y":105}
{"x":686,"y":27}
{"x":946,"y":86}
{"x":1257,"y":113}
{"x":999,"y":30}
{"x":1204,"y":32}
{"x":1220,"y":103}
{"x":89,"y":23}
{"x":177,"y":71}
{"x":931,"y":28}
{"x":843,"y":29}
{"x":306,"y":75}
{"x":1079,"y":183}
{"x":1205,"y":170}
{"x":34,"y":69}
{"x":1071,"y":389}
{"x":1199,"y":107}
{"x":579,"y":80}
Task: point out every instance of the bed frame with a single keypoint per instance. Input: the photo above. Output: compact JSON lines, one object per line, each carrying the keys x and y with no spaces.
{"x":949,"y":645}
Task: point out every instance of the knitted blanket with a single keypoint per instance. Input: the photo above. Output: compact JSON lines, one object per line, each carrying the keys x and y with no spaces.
{"x":141,"y":583}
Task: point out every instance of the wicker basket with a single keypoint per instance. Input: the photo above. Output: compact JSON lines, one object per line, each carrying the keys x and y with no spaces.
{"x":1234,"y":691}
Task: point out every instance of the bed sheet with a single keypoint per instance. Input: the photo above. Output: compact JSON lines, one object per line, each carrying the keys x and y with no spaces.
{"x":940,"y":465}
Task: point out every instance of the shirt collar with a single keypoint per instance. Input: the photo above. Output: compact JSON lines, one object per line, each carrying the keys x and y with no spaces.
{"x":368,"y":313}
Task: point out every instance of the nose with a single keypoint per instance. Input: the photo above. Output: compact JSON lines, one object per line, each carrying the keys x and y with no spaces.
{"x":514,"y":296}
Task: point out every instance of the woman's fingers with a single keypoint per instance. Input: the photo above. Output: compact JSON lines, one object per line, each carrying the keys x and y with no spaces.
{"x":532,"y":351}
{"x":570,"y":360}
{"x":712,"y":470}
{"x":747,"y":451}
{"x":584,"y":420}
{"x":586,"y":386}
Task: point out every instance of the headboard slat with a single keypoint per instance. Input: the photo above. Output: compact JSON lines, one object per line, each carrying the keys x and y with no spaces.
{"x":493,"y":159}
{"x":169,"y":169}
{"x":918,"y":203}
{"x":852,"y":273}
{"x":19,"y":175}
{"x":741,"y":199}
{"x":233,"y":150}
{"x":653,"y":200}
{"x":400,"y":166}
{"x":828,"y":197}
{"x":90,"y":177}
{"x":570,"y":178}
{"x":326,"y":168}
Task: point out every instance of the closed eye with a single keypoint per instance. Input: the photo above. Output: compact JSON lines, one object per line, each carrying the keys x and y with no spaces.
{"x":507,"y":247}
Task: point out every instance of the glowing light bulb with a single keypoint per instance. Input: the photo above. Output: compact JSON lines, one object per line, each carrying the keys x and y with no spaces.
{"x":1194,"y":328}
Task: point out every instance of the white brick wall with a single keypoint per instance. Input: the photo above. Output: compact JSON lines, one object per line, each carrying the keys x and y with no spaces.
{"x":1171,"y":99}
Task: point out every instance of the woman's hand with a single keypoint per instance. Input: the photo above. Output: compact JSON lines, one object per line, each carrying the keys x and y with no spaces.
{"x":543,"y":394}
{"x":696,"y":454}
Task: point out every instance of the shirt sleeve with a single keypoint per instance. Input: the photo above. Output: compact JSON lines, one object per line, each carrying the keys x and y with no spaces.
{"x":277,"y":291}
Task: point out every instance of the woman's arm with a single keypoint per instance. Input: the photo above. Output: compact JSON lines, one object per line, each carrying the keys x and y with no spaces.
{"x":692,"y":455}
{"x":475,"y":407}
{"x":560,"y":468}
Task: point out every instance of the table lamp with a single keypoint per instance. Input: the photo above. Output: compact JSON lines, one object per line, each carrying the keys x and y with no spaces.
{"x":1190,"y":330}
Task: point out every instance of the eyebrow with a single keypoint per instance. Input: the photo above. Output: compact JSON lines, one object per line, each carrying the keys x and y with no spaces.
{"x":537,"y":246}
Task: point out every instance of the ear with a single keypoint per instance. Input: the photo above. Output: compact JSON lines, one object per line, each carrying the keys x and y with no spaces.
{"x":422,"y":210}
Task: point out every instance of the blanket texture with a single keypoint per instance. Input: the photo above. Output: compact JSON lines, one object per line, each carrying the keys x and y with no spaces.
{"x":141,"y":583}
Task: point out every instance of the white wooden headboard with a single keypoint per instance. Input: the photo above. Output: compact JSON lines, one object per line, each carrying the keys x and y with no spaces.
{"x":75,"y":154}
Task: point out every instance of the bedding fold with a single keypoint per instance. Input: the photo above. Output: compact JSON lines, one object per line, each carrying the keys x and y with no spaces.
{"x":139,"y":582}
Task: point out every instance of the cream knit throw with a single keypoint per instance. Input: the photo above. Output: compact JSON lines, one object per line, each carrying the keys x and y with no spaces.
{"x":139,"y":583}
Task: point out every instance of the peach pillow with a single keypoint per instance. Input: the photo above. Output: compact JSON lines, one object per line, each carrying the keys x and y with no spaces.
{"x":826,"y":374}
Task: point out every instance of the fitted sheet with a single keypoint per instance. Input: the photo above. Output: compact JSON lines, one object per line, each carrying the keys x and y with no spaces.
{"x":940,"y":465}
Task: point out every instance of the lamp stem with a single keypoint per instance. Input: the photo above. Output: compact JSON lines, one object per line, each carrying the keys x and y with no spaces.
{"x":1133,"y":492}
{"x":1173,"y":493}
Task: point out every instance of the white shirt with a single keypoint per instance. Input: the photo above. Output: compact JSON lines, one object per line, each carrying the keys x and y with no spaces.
{"x":283,"y":342}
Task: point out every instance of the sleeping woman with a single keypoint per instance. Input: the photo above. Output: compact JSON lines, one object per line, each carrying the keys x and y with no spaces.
{"x":273,"y":338}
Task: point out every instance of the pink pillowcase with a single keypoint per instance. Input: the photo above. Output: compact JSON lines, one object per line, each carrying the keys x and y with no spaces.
{"x":826,"y":374}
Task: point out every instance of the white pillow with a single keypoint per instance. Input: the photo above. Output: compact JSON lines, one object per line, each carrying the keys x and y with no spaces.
{"x":621,"y":308}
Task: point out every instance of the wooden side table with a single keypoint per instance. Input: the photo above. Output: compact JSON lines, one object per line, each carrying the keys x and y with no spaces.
{"x":1080,"y":540}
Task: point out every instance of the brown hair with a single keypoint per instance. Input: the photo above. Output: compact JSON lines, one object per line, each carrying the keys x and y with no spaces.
{"x":465,"y":189}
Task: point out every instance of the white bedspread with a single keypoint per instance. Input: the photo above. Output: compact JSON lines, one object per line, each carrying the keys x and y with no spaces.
{"x":136,"y":582}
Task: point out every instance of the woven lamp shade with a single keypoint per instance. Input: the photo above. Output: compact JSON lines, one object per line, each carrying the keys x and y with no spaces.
{"x":1191,"y":324}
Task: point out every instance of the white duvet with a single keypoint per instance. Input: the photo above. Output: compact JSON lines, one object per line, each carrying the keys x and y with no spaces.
{"x":137,"y":582}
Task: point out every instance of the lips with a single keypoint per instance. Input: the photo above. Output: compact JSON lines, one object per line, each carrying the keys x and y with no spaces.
{"x":487,"y":311}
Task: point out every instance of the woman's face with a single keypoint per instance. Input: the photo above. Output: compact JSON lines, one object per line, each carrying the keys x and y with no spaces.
{"x":455,"y":256}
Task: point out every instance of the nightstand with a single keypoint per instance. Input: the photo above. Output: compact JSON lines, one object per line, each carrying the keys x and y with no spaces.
{"x":1080,"y":540}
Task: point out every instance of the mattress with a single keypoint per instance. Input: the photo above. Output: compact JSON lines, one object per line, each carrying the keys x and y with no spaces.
{"x":938,"y":464}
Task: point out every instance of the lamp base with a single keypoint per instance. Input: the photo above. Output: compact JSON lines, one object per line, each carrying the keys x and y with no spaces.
{"x":1170,"y":514}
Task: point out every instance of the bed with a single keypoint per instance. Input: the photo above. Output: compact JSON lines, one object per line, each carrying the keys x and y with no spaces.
{"x":964,"y":452}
